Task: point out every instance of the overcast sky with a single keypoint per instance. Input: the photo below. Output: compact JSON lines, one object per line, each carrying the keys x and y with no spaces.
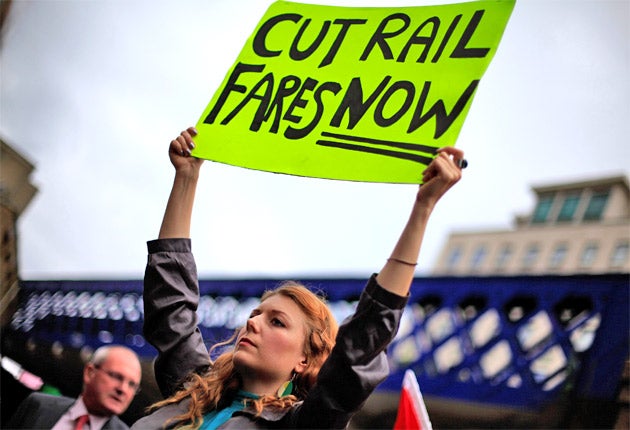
{"x":92,"y":91}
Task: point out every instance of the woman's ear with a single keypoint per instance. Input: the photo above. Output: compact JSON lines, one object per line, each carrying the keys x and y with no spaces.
{"x":302,"y":365}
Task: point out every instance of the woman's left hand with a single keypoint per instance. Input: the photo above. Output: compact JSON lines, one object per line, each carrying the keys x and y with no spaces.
{"x":441,"y":174}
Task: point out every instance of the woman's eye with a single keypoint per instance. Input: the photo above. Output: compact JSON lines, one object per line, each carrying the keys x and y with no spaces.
{"x":277,"y":322}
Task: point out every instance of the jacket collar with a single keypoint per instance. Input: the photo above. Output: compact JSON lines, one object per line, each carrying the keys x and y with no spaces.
{"x":268,"y":413}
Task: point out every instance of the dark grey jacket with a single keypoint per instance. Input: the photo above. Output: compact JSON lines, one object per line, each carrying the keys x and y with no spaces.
{"x":42,"y":411}
{"x":356,"y":365}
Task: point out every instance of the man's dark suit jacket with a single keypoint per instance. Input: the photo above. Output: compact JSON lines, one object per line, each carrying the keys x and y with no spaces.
{"x":42,"y":411}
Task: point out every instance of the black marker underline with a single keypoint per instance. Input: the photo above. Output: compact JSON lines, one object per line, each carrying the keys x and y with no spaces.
{"x":402,"y":155}
{"x":401,"y":145}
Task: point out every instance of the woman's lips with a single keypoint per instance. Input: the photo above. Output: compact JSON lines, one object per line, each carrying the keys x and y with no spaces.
{"x":246,"y":341}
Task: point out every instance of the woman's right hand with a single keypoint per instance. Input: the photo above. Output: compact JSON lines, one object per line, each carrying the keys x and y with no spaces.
{"x":179,"y":152}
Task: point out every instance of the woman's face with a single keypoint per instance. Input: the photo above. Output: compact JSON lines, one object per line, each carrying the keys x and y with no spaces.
{"x":271,"y":345}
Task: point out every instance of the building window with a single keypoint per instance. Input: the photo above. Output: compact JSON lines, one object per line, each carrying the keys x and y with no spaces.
{"x":531,"y":254}
{"x":453,"y":257}
{"x":558,"y":256}
{"x":570,"y":204}
{"x":478,"y":257}
{"x":504,"y":256}
{"x":542,"y":208}
{"x":588,"y":255}
{"x":596,"y":206}
{"x":620,"y":255}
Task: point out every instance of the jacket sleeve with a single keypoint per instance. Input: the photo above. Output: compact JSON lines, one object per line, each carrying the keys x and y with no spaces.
{"x":39,"y":410}
{"x":171,"y":297}
{"x":357,"y":363}
{"x":19,"y":418}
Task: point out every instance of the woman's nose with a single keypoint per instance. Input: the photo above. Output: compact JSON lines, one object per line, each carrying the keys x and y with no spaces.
{"x":252,"y":324}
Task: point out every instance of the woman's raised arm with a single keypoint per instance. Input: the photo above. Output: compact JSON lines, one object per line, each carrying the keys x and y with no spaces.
{"x":443,"y":172}
{"x":178,"y":213}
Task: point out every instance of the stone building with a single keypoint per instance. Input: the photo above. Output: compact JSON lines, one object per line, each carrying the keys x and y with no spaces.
{"x":574,"y":228}
{"x":16,"y":191}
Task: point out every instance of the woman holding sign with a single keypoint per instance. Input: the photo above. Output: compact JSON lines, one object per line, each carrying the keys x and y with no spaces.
{"x":290,"y":366}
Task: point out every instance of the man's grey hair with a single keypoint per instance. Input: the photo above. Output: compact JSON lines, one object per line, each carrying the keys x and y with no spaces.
{"x":100,"y":355}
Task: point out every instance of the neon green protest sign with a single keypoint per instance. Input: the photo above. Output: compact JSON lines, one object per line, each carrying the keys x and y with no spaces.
{"x":351,"y":93}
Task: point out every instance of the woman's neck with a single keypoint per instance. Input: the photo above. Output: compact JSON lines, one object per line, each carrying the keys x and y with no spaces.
{"x":259,"y":387}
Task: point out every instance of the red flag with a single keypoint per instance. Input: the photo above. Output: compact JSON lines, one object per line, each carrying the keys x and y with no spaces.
{"x":412,"y":413}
